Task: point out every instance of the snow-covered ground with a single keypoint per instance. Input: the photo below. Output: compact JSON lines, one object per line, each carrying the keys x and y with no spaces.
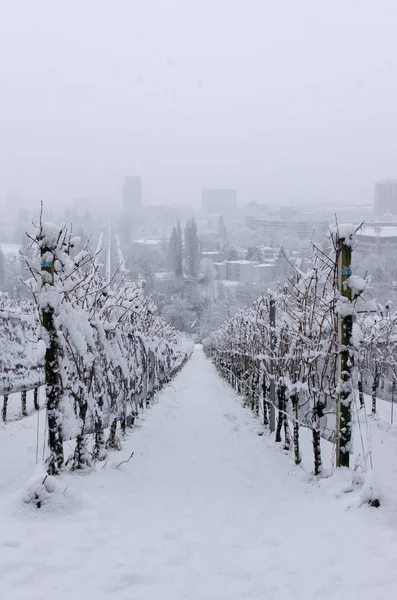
{"x":206,"y":509}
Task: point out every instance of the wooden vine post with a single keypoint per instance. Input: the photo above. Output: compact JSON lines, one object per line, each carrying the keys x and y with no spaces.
{"x":272,"y":383}
{"x":51,"y":367}
{"x":345,"y":328}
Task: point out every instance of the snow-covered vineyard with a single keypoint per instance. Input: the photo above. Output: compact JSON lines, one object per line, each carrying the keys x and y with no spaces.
{"x":198,"y":300}
{"x":207,"y":507}
{"x":186,"y":494}
{"x":99,"y":348}
{"x":304,"y":355}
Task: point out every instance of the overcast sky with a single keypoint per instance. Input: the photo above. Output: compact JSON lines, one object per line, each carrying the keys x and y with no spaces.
{"x":286,"y":100}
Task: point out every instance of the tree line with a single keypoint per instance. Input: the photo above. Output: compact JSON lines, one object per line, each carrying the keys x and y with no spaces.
{"x":184,"y":249}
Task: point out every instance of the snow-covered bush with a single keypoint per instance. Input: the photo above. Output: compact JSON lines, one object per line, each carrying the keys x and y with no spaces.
{"x":21,"y":359}
{"x":47,"y":493}
{"x":376,"y":341}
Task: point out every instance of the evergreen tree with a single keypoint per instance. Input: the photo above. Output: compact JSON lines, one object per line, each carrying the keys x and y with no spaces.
{"x":253,"y":253}
{"x":232,"y":254}
{"x":192,"y":248}
{"x":175,"y":251}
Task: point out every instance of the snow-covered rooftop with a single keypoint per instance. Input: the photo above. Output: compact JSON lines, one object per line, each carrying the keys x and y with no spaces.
{"x":10,"y":249}
{"x":384,"y":232}
{"x":150,"y":242}
{"x":230,"y":283}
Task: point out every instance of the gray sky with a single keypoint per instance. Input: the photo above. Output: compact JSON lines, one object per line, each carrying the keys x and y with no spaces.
{"x":287,"y":100}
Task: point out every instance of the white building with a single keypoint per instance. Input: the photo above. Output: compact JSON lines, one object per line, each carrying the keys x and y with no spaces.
{"x":269,"y":252}
{"x":374,"y":239}
{"x":304,"y":229}
{"x":240,"y":270}
{"x":221,"y":270}
{"x":245,"y":271}
{"x":214,"y":255}
{"x":264,"y":273}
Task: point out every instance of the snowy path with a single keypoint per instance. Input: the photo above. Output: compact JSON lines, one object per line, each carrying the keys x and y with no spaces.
{"x":205,"y":510}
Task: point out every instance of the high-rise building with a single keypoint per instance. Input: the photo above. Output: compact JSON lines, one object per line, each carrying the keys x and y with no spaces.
{"x":132,"y":192}
{"x":219,"y":201}
{"x":386,"y":197}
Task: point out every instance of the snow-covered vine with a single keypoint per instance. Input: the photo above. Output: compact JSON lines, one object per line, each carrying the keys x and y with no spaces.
{"x":106,"y":350}
{"x":298,"y":355}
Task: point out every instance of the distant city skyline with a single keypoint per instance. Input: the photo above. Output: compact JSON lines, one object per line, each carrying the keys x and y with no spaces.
{"x":16,"y":198}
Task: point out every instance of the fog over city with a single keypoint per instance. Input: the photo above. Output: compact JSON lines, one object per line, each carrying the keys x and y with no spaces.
{"x":200,"y":148}
{"x":288,"y":102}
